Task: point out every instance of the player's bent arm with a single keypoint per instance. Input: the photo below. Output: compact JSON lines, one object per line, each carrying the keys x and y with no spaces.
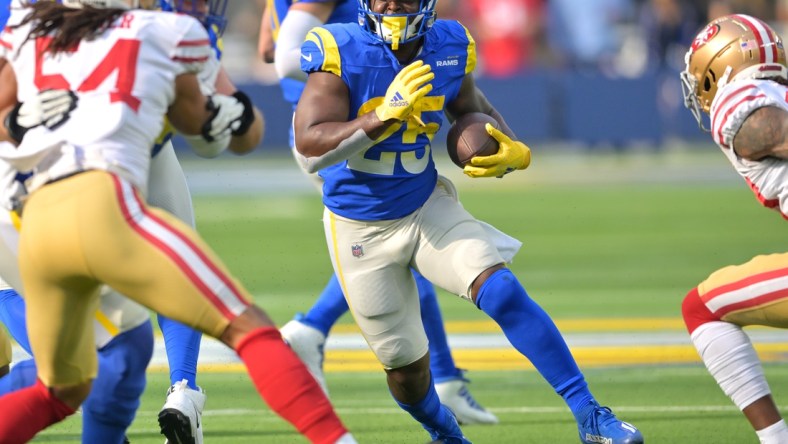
{"x":251,"y":138}
{"x":323,"y":135}
{"x":300,"y":19}
{"x":470,"y":99}
{"x":190,"y":112}
{"x":512,"y":154}
{"x":764,"y":133}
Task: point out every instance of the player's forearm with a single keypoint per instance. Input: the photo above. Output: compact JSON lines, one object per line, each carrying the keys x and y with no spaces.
{"x":764,"y":133}
{"x":329,"y":143}
{"x":320,"y":138}
{"x":248,"y":141}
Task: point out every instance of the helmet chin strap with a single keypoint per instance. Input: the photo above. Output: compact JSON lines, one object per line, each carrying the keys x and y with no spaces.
{"x":393,"y":27}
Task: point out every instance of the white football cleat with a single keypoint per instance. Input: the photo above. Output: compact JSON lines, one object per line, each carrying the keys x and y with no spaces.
{"x":307,"y":342}
{"x":454,"y":394}
{"x":180,"y":419}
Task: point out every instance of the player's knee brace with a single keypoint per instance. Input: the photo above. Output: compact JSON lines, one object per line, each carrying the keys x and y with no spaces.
{"x":730,"y":357}
{"x":695,"y":312}
{"x":116,"y":391}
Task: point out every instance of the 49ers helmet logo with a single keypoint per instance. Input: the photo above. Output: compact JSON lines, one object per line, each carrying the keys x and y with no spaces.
{"x":706,"y":35}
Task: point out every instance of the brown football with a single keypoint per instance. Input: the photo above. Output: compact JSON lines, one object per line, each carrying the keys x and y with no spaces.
{"x":468,"y":138}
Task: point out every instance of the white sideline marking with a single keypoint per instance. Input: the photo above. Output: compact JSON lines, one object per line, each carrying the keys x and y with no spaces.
{"x":543,"y":409}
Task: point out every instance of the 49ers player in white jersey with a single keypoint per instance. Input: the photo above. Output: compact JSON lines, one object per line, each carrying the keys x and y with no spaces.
{"x":85,"y":223}
{"x":120,"y":321}
{"x":736,"y":72}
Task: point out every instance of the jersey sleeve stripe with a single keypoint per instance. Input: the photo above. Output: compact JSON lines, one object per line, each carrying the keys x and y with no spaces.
{"x":725,"y":109}
{"x":204,"y":42}
{"x":190,"y":59}
{"x":719,"y":136}
{"x":768,"y":203}
{"x":332,"y":61}
{"x":470,"y":64}
{"x":5,"y":44}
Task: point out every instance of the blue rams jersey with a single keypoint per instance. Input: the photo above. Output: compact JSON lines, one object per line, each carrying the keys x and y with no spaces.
{"x":5,"y":11}
{"x":395,"y":176}
{"x":345,"y":11}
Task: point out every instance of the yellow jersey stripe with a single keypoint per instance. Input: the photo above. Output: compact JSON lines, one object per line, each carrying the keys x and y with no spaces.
{"x":470,"y":64}
{"x":323,"y":39}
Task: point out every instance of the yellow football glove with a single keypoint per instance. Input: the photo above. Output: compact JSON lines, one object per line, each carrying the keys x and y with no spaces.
{"x":407,"y":88}
{"x":512,"y":155}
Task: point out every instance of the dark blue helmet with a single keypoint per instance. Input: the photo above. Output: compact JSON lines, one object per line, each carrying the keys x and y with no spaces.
{"x":209,"y":12}
{"x":396,"y":29}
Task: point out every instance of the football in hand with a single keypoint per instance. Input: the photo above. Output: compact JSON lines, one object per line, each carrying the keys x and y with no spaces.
{"x":467,"y":138}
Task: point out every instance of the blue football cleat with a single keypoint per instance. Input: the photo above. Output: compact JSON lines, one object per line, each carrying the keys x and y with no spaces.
{"x":452,"y":440}
{"x":601,"y":426}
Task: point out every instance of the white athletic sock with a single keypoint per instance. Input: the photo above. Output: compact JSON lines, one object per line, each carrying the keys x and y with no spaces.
{"x":776,"y":433}
{"x":731,"y":359}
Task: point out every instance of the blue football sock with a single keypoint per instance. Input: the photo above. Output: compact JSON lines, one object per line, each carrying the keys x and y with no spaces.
{"x":113,"y":401}
{"x":531,"y":331}
{"x":23,"y":374}
{"x":441,"y":362}
{"x":12,"y":315}
{"x":182,"y":344}
{"x":435,"y":417}
{"x":327,"y":309}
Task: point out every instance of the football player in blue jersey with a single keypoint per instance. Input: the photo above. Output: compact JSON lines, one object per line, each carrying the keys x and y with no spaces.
{"x":290,"y":22}
{"x":376,"y":95}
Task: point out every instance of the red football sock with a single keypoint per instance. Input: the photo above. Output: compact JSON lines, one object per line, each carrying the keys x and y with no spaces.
{"x":287,"y":386}
{"x":29,"y":411}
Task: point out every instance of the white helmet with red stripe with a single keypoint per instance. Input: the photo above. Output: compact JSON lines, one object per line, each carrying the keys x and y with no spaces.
{"x":729,"y":48}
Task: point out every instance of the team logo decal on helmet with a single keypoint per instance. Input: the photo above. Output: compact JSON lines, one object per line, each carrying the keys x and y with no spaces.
{"x":396,"y":29}
{"x":730,"y":48}
{"x":705,"y":36}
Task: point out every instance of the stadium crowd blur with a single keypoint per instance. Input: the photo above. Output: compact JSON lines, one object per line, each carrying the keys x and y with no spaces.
{"x":623,"y":54}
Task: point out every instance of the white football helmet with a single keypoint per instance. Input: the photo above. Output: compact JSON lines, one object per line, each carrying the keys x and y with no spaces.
{"x":729,"y":48}
{"x":396,"y":29}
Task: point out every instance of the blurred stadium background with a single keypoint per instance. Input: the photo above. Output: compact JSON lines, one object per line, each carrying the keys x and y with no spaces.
{"x":587,"y":73}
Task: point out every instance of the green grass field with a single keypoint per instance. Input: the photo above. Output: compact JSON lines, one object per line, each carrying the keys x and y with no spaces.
{"x":595,"y":247}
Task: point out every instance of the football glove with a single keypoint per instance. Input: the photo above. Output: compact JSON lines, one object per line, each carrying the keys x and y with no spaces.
{"x":407,"y":88}
{"x":50,"y":108}
{"x":230,"y":114}
{"x":512,"y":155}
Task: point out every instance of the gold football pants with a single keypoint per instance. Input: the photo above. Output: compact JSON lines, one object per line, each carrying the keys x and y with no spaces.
{"x":94,"y":228}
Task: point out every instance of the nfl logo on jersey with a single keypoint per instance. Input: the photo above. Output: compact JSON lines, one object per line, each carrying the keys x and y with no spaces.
{"x":357,"y":250}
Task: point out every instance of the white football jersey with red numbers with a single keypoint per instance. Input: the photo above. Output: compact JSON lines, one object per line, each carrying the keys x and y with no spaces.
{"x":125,"y":83}
{"x":768,"y":178}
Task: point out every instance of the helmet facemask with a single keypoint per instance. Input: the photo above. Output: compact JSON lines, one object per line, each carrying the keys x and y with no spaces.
{"x":397,"y":29}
